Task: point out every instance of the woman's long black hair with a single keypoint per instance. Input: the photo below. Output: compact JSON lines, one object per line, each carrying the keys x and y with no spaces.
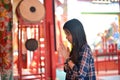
{"x":76,"y":29}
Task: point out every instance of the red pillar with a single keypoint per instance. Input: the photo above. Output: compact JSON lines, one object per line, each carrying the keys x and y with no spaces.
{"x":50,"y":39}
{"x":118,"y":62}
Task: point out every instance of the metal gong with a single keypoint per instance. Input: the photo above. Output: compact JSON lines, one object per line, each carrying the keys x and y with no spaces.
{"x":31,"y":10}
{"x":31,"y":44}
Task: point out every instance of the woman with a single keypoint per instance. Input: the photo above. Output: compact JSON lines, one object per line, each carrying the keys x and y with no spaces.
{"x":79,"y":63}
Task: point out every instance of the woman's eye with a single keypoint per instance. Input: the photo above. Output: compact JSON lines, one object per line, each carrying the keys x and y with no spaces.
{"x":67,"y":34}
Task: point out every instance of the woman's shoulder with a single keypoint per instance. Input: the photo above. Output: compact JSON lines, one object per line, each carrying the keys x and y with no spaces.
{"x":86,"y":47}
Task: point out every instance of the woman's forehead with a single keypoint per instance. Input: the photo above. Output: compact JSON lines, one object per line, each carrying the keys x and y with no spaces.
{"x":66,"y":31}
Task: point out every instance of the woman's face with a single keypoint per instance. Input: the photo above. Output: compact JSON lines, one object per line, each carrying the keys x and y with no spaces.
{"x":68,"y":35}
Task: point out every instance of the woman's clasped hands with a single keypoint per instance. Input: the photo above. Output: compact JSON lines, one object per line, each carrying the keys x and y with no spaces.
{"x":63,"y":51}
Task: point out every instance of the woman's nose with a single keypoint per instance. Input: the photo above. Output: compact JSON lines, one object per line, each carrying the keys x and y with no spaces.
{"x":66,"y":37}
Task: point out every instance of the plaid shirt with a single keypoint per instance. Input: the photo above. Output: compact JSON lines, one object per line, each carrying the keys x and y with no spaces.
{"x":85,"y":70}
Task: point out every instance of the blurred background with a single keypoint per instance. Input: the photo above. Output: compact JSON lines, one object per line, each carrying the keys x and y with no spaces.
{"x":31,"y":30}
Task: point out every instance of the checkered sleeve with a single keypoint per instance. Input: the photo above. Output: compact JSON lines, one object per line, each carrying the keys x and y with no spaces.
{"x":80,"y":72}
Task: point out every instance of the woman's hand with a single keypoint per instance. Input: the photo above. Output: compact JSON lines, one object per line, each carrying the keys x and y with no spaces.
{"x":71,"y":64}
{"x":64,"y":51}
